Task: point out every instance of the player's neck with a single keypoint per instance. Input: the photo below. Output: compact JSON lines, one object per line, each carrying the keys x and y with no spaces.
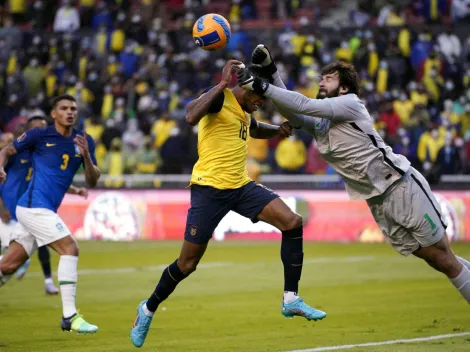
{"x":65,"y":131}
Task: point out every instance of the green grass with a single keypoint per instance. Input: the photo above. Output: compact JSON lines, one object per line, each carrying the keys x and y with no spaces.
{"x":370,"y":294}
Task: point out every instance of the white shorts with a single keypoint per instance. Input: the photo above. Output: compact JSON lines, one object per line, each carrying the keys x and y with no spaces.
{"x":38,"y":227}
{"x":6,"y":231}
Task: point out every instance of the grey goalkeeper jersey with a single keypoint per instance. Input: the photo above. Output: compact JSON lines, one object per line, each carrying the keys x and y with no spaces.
{"x":346,"y":139}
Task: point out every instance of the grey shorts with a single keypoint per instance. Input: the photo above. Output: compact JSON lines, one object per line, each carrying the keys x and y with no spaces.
{"x":408,"y":214}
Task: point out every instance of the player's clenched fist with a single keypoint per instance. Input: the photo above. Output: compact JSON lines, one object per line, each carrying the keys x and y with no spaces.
{"x":82,"y":143}
{"x":229,"y":69}
{"x":285,"y":130}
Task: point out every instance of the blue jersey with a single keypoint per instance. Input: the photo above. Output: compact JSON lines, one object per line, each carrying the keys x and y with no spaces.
{"x":19,"y":171}
{"x":56,"y":159}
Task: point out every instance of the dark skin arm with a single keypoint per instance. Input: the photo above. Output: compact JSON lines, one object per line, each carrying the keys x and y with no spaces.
{"x":265,"y":131}
{"x":198,"y":108}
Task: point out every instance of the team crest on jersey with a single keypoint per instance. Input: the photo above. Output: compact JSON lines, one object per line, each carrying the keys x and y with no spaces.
{"x":77,"y":150}
{"x":193,"y":230}
{"x":20,"y":138}
{"x":321,"y":128}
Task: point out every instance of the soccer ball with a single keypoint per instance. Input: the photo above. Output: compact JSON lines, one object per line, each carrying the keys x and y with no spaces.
{"x":211,"y":32}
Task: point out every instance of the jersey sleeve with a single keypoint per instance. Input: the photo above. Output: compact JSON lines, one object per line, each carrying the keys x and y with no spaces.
{"x":218,"y":102}
{"x":28,"y":140}
{"x":340,"y":109}
{"x":91,"y":148}
{"x":253,"y":123}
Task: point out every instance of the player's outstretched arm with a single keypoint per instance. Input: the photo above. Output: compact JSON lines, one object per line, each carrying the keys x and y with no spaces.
{"x":5,"y":153}
{"x":262,"y":58}
{"x":261,"y":130}
{"x":203,"y":105}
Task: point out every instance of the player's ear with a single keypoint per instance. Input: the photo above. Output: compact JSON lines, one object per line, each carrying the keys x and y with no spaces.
{"x":343,"y":90}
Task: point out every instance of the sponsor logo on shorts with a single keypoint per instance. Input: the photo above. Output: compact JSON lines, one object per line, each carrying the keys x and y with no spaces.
{"x":193,"y":230}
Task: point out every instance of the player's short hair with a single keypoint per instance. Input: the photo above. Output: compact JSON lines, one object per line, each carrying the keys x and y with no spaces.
{"x":61,"y":97}
{"x":348,"y":76}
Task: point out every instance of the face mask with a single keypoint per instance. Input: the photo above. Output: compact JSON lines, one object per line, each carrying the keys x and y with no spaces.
{"x":405,"y":141}
{"x":34,"y":63}
{"x":173,"y":87}
{"x":403,"y":97}
{"x":449,"y":85}
{"x":163,"y":94}
{"x":434,"y":134}
{"x":36,"y":40}
{"x":92,"y":76}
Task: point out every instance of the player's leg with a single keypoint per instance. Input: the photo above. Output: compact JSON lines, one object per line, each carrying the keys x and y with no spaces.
{"x":14,"y":258}
{"x":208,"y":207}
{"x":440,"y":257}
{"x":49,"y":229}
{"x":45,"y":260}
{"x":260,"y":203}
{"x":22,"y":245}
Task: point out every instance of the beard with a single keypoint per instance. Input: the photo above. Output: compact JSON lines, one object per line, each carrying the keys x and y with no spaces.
{"x":323,"y":93}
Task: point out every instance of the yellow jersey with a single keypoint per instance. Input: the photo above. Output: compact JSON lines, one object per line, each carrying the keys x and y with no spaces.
{"x":222,"y":146}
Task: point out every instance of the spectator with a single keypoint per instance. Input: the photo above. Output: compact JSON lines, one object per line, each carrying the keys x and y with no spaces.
{"x":173,"y":152}
{"x":291,"y":155}
{"x":148,"y":160}
{"x":161,"y":129}
{"x":34,"y":75}
{"x":67,"y":18}
{"x":132,"y":137}
{"x":114,"y":164}
{"x":449,"y":45}
{"x":448,"y":158}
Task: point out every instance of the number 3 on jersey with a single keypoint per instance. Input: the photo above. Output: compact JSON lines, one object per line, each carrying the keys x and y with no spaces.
{"x":65,"y":161}
{"x":243,"y":131}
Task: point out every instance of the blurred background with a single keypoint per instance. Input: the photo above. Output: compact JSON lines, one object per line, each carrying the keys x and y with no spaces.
{"x":133,"y":67}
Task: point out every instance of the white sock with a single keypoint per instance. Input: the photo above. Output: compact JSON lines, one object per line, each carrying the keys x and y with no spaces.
{"x":290,"y":296}
{"x":67,"y":274}
{"x":464,"y":262}
{"x":462,"y":283}
{"x":146,"y":310}
{"x":48,"y":280}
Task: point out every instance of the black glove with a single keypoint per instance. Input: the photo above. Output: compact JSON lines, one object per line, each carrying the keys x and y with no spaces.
{"x":249,"y":81}
{"x":262,"y":56}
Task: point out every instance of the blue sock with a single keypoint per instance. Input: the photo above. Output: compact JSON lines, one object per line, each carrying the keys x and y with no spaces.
{"x":292,"y":257}
{"x":171,"y":276}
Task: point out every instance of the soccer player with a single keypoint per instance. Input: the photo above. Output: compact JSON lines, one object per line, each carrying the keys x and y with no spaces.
{"x":398,"y":196}
{"x":220,"y":183}
{"x":57,"y":152}
{"x":20,"y":170}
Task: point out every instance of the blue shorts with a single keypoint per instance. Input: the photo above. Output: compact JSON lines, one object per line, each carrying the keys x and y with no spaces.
{"x":209,"y":205}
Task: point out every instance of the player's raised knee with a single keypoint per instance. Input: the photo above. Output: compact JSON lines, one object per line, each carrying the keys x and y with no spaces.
{"x":9,"y":268}
{"x":188,"y":266}
{"x":293,"y":221}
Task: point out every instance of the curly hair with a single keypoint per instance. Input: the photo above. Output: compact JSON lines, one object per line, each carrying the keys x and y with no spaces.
{"x":348,"y":77}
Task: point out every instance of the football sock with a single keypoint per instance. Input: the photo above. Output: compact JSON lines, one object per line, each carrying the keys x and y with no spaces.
{"x":292,"y":257}
{"x":290,"y":297}
{"x":462,"y":283}
{"x":67,"y":274}
{"x":171,"y":276}
{"x":464,"y":262}
{"x":44,"y":258}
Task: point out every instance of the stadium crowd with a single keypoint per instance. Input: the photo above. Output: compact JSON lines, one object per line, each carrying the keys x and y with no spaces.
{"x":133,"y":67}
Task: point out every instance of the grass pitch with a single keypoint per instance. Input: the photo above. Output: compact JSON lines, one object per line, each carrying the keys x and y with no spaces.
{"x":232,"y":302}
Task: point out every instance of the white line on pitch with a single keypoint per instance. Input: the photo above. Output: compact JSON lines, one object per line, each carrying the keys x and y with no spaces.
{"x":129,"y":270}
{"x":391,"y":342}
